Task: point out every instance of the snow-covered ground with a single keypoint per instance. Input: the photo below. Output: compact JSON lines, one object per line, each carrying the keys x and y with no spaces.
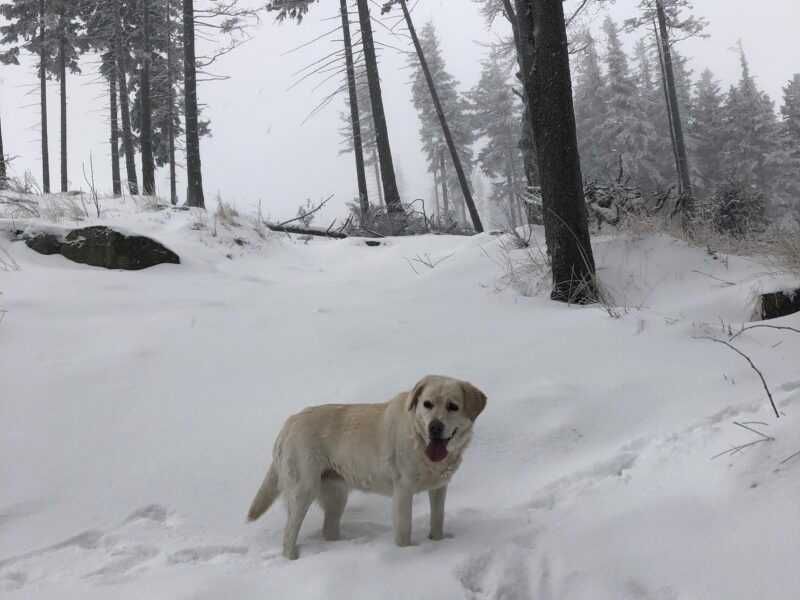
{"x":138,"y":412}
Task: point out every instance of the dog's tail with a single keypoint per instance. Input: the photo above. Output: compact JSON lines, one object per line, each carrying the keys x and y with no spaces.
{"x":267,"y":494}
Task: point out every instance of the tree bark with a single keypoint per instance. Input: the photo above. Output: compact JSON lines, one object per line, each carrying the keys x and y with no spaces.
{"x":194,"y":173}
{"x":443,"y":181}
{"x":62,"y":76}
{"x":148,"y":165}
{"x":124,"y":101}
{"x":436,"y":198}
{"x":391,"y":195}
{"x":462,"y":178}
{"x":43,"y":97}
{"x":549,"y":89}
{"x":512,"y":208}
{"x":684,"y":179}
{"x":358,"y":149}
{"x":116,"y":180}
{"x":377,"y":172}
{"x":173,"y":182}
{"x":526,"y":141}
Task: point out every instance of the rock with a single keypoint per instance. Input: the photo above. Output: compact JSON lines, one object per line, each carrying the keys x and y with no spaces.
{"x":45,"y":243}
{"x":101,"y":246}
{"x":779,"y":304}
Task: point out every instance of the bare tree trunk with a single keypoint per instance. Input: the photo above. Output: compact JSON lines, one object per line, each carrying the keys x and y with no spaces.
{"x":358,"y":149}
{"x":62,"y":76}
{"x":112,"y":89}
{"x":443,"y":181}
{"x":124,"y":101}
{"x":549,"y":89}
{"x":43,"y":97}
{"x":194,"y":173}
{"x":391,"y":194}
{"x":148,"y":165}
{"x":512,"y":209}
{"x":173,"y":183}
{"x":377,"y":172}
{"x":526,"y":141}
{"x":462,"y":178}
{"x":436,"y":198}
{"x":668,"y":76}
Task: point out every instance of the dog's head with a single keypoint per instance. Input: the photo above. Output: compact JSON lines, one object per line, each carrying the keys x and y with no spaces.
{"x":444,"y":410}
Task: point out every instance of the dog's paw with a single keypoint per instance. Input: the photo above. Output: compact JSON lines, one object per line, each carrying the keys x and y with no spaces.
{"x":438,"y":536}
{"x":291,"y":553}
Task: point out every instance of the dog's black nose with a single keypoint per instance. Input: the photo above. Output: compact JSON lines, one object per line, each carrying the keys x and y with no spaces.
{"x":436,"y":429}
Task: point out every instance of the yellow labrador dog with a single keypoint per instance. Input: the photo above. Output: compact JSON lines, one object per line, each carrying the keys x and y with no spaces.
{"x":410,"y":444}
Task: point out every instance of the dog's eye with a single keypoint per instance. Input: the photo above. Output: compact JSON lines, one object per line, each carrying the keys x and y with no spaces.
{"x":452,"y":407}
{"x":428,"y":404}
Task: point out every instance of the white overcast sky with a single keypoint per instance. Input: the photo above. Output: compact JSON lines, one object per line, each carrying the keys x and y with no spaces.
{"x":260,"y":150}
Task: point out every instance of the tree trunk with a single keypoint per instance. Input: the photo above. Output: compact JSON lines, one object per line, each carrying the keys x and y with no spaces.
{"x":525,"y":143}
{"x":512,"y":208}
{"x":62,"y":76}
{"x":684,"y":179}
{"x":3,"y":173}
{"x":391,"y":195}
{"x":361,"y":176}
{"x":148,"y":165}
{"x":443,"y":181}
{"x":549,"y":88}
{"x":462,"y":178}
{"x":436,"y":198}
{"x":194,"y":173}
{"x":120,"y":53}
{"x":173,"y":183}
{"x":112,"y":87}
{"x":377,"y":172}
{"x":43,"y":97}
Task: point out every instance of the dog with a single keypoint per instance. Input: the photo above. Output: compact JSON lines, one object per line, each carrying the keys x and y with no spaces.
{"x":410,"y":444}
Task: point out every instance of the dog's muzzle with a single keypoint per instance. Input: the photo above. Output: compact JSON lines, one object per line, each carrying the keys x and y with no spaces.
{"x":437,"y":444}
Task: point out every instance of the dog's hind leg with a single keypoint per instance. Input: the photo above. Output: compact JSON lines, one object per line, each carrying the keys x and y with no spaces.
{"x":333,"y":499}
{"x":298,"y":501}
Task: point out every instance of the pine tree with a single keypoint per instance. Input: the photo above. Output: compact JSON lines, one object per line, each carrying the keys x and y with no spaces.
{"x":626,"y":135}
{"x":590,"y":109}
{"x":497,"y":115}
{"x":454,"y":106}
{"x":751,"y":131}
{"x":706,"y":132}
{"x":788,"y":178}
{"x":651,"y":97}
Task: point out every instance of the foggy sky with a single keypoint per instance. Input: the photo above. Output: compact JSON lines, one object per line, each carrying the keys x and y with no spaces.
{"x":260,"y":150}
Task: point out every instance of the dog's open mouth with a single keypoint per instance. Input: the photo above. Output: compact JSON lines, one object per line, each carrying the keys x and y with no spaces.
{"x":436,"y":449}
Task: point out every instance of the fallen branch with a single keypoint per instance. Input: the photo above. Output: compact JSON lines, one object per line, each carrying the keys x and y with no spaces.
{"x":752,"y":364}
{"x":306,"y":231}
{"x":765,"y":326}
{"x":763,"y":437}
{"x":305,"y":214}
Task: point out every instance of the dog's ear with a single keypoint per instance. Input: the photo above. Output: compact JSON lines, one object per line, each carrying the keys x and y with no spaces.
{"x":474,"y":400}
{"x":413,"y":396}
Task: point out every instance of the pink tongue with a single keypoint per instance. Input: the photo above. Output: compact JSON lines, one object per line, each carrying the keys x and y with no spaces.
{"x":436,"y":450}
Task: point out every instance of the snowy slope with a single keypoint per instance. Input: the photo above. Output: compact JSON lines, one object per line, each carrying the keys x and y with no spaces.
{"x":138,"y":412}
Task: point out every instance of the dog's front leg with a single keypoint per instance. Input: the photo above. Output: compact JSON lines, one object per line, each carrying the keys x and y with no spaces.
{"x":437,"y":497}
{"x":401,"y":515}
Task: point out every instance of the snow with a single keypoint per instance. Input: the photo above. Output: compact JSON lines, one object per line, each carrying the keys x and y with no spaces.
{"x":138,"y":412}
